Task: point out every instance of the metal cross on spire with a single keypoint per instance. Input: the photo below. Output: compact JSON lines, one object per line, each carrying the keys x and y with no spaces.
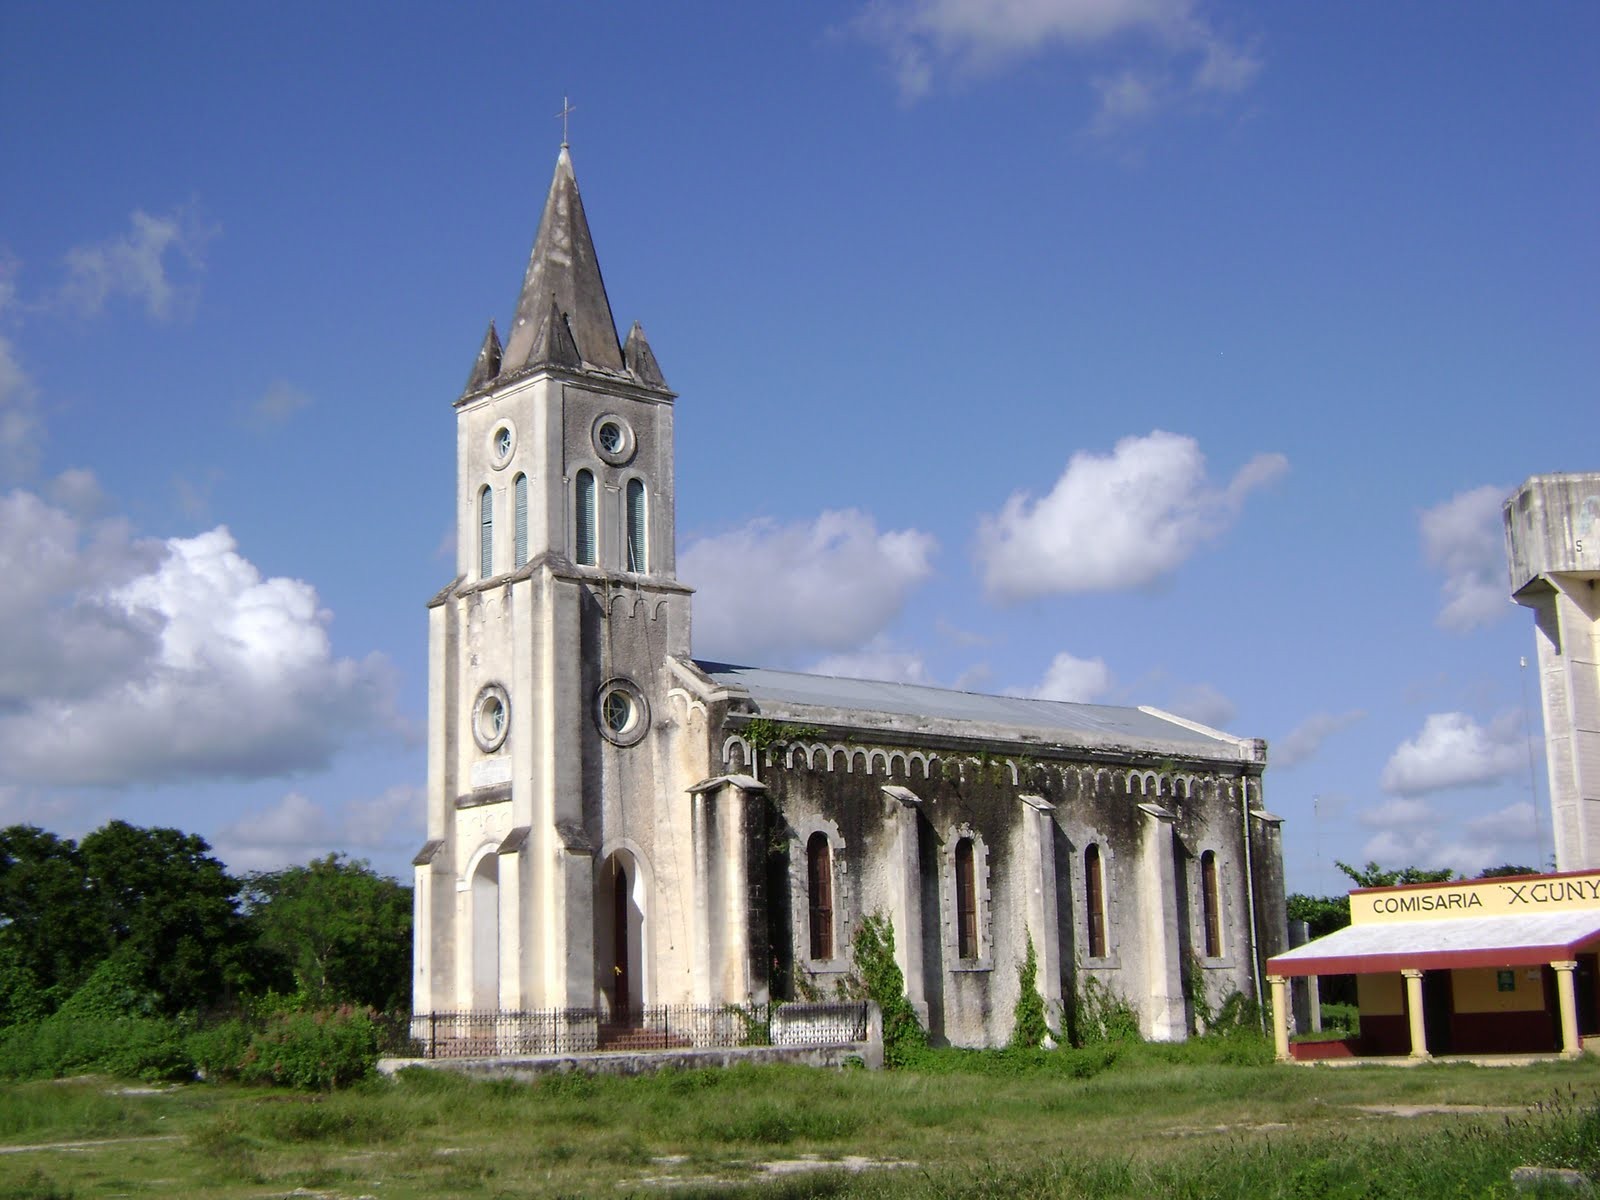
{"x":566,"y":111}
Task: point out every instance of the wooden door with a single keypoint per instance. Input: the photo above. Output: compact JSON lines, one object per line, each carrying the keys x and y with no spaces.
{"x":622,"y":986}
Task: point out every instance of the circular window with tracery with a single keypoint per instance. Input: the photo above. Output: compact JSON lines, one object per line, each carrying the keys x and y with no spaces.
{"x":501,"y":443}
{"x":491,"y":718}
{"x":621,"y":712}
{"x":613,"y":439}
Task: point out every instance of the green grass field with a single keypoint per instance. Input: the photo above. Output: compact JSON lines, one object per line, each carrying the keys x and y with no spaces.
{"x":1133,"y":1121}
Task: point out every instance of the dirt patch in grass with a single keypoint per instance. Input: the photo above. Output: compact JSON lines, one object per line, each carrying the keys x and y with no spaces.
{"x":853,"y":1163}
{"x":1439,"y":1110}
{"x":93,"y":1144}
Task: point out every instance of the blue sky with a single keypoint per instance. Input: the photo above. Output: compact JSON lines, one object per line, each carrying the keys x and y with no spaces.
{"x":1141,"y":351}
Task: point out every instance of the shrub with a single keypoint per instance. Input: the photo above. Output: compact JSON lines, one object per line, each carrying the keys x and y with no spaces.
{"x":150,"y":1048}
{"x":313,"y":1050}
{"x":219,"y":1050}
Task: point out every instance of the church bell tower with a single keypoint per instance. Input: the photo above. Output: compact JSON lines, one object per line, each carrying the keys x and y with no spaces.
{"x":549,"y":653}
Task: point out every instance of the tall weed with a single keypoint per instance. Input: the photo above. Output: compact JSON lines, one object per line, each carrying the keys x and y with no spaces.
{"x":36,"y":1111}
{"x":35,"y":1185}
{"x":147,"y":1048}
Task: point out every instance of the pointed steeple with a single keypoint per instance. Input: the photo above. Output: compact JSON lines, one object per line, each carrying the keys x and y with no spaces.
{"x":641,"y":360}
{"x":553,"y":344}
{"x":563,"y":265}
{"x":488,"y":364}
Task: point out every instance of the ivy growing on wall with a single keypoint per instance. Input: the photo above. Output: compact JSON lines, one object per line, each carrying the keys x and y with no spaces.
{"x":1194,"y":985}
{"x":1029,"y":1027}
{"x":903,"y":1036}
{"x":1098,"y":1014}
{"x":763,"y":733}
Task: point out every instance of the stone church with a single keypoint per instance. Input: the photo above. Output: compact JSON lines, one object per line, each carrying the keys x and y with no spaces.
{"x":614,"y":824}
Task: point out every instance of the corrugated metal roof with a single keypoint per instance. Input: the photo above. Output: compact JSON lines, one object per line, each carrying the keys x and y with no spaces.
{"x":1458,"y":941}
{"x":1103,"y":721}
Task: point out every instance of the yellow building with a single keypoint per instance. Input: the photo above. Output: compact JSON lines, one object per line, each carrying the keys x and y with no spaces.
{"x":1484,"y":966}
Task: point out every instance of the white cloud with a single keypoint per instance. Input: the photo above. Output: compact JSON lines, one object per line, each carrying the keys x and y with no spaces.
{"x":77,"y":490}
{"x":1464,"y":538}
{"x":275,"y":406}
{"x":929,"y":40}
{"x":1226,"y":68}
{"x":292,"y":830}
{"x":19,"y":415}
{"x":67,"y":813}
{"x":1114,"y":521}
{"x":878,"y":660}
{"x":1513,"y":822}
{"x":1399,"y":813}
{"x":960,"y":637}
{"x":138,"y":660}
{"x":61,"y":635}
{"x":297,"y":829}
{"x":1124,"y":97}
{"x":193,"y":493}
{"x":1453,"y":750}
{"x":1203,"y":703}
{"x":1306,"y":738}
{"x":1075,"y":680}
{"x":831,"y":584}
{"x":139,"y":265}
{"x":1412,"y":834}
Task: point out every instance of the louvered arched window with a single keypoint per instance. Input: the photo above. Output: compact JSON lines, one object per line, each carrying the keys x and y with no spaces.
{"x":1094,"y":888}
{"x":486,"y":533}
{"x":1209,"y":903}
{"x":638,"y":528}
{"x":819,"y":876}
{"x":966,"y":901}
{"x":521,"y":490}
{"x":584,"y":547}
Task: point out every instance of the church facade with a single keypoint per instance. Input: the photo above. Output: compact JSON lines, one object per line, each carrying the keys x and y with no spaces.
{"x":614,"y":824}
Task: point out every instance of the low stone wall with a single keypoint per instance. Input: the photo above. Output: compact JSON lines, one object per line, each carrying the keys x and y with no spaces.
{"x":868,"y":1054}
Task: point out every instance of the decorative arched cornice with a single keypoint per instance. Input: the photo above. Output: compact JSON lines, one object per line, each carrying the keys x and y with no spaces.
{"x":632,"y":605}
{"x":693,"y":708}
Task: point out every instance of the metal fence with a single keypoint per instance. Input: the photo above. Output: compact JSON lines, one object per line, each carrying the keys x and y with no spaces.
{"x":654,"y":1027}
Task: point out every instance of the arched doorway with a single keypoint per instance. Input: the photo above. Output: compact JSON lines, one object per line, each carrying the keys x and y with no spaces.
{"x":619,"y":935}
{"x":486,"y":933}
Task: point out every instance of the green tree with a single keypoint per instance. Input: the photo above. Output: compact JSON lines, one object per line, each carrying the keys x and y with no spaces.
{"x":1372,"y":875}
{"x":1507,"y":869}
{"x":165,"y":904}
{"x":152,"y":899}
{"x":1322,"y":914}
{"x":338,"y":928}
{"x":50,"y":939}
